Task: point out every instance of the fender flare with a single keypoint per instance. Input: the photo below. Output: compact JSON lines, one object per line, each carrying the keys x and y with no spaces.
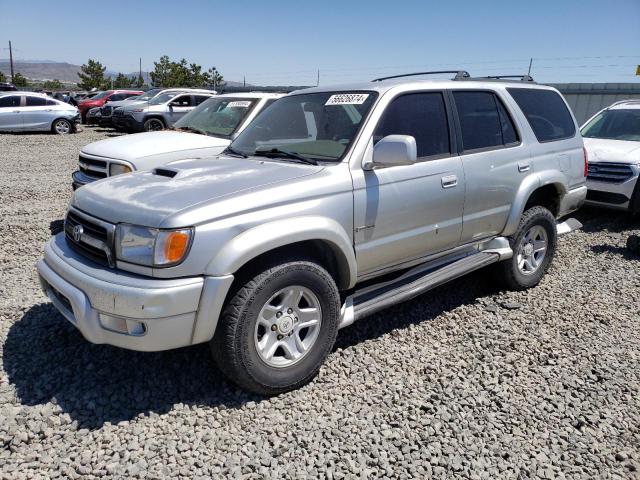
{"x":527,"y":187}
{"x":266,"y":237}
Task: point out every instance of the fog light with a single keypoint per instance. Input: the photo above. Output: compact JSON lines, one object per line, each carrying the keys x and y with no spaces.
{"x":122,"y":325}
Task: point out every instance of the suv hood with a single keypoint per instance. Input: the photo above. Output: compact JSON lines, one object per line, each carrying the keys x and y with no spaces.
{"x":149,"y":199}
{"x":617,"y":151}
{"x":140,"y":145}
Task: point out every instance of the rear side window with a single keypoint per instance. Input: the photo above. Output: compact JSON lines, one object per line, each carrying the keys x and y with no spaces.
{"x":546,"y":112}
{"x":200,"y":98}
{"x":421,"y":115}
{"x":181,"y":101}
{"x":51,"y":102}
{"x":10,"y":101}
{"x":484,"y":121}
{"x":36,"y":101}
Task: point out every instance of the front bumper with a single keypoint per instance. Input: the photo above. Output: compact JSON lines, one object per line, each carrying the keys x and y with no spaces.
{"x":151,"y":314}
{"x":619,"y":196}
{"x":127,"y":123}
{"x":78,"y":179}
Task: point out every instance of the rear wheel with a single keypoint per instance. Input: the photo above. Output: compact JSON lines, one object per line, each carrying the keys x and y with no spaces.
{"x":278,"y":328}
{"x":534,"y":246}
{"x":153,"y":125}
{"x":62,"y":126}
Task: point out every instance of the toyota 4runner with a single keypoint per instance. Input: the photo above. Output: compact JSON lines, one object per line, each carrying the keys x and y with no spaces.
{"x":334,"y":203}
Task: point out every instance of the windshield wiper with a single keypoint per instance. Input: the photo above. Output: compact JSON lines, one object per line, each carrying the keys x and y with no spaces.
{"x":235,"y":153}
{"x":277,"y":153}
{"x":192,"y":129}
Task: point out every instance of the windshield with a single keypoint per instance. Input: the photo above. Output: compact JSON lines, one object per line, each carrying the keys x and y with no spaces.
{"x":163,"y":98}
{"x":100,"y":95}
{"x":148,"y":95}
{"x":320,"y":126}
{"x":623,"y":124}
{"x":218,"y":116}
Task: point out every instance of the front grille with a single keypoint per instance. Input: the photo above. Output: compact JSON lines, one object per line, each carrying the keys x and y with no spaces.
{"x":92,"y":168}
{"x":95,"y":240}
{"x":118,"y":112}
{"x":609,"y":172}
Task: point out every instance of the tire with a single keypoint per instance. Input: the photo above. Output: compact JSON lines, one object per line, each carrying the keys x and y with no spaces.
{"x":633,"y":244}
{"x":525,"y":270}
{"x":237,"y":343}
{"x":62,"y":126}
{"x":153,"y":125}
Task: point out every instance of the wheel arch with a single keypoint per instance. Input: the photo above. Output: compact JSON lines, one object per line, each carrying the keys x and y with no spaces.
{"x":73,"y":127}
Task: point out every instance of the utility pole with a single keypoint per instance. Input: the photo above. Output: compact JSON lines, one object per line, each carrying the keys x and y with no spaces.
{"x":530,"y":63}
{"x":244,"y":81}
{"x":140,"y":72}
{"x":318,"y":79}
{"x":11,"y":60}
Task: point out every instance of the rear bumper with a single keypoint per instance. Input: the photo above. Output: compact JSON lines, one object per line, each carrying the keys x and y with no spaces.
{"x":126,"y":310}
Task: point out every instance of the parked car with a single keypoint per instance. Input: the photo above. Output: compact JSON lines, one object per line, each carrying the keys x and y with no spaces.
{"x":160,"y":112}
{"x":612,"y":141}
{"x":7,"y":87}
{"x":109,"y":108}
{"x":204,"y":132}
{"x":27,"y":111}
{"x":93,"y":116}
{"x":101,"y":98}
{"x":334,"y":203}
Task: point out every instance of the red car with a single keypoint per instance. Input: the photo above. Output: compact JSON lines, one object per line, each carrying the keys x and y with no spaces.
{"x":103,"y":97}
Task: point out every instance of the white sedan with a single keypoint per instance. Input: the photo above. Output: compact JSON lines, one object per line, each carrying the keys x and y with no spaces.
{"x":31,"y":112}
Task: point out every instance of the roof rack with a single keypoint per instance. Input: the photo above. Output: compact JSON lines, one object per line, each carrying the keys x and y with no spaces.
{"x":621,"y":102}
{"x":521,"y":78}
{"x":460,"y":74}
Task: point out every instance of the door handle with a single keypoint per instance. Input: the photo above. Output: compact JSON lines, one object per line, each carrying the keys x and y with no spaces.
{"x":524,"y":166}
{"x":48,"y":110}
{"x":449,"y":181}
{"x":15,"y":111}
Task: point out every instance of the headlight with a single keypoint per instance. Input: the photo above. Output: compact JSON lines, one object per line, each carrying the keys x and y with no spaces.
{"x":152,"y":247}
{"x":137,"y":110}
{"x":117,"y":169}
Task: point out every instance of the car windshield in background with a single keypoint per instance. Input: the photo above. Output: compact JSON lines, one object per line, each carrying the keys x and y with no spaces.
{"x":217,"y":116}
{"x":99,"y":95}
{"x":163,"y":98}
{"x":148,"y":95}
{"x":623,"y":124}
{"x":320,"y":126}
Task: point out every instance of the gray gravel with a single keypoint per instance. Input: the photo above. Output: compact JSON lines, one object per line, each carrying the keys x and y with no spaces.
{"x":465,"y":381}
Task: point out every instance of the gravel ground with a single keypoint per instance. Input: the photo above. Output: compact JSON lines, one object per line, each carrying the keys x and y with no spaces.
{"x":465,"y":381}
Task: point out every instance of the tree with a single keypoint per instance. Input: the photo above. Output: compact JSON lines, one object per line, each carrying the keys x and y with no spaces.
{"x":92,"y":75}
{"x":215,"y":78}
{"x":20,"y":81}
{"x":54,"y":84}
{"x":139,"y":81}
{"x":162,"y":75}
{"x":2,"y":78}
{"x":168,"y":73}
{"x":122,"y":81}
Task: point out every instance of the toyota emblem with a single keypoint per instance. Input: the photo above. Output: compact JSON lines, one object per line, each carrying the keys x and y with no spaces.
{"x":77,"y":232}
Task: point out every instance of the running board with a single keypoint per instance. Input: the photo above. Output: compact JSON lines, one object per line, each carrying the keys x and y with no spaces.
{"x":568,"y":226}
{"x":415,"y":282}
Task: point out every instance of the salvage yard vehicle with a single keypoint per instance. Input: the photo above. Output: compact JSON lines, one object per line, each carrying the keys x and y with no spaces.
{"x":32,"y":112}
{"x":612,"y":140}
{"x":103,"y":97}
{"x":334,"y":203}
{"x":160,"y":112}
{"x":204,"y":132}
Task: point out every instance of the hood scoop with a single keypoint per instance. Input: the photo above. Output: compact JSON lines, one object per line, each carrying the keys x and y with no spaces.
{"x":165,"y":172}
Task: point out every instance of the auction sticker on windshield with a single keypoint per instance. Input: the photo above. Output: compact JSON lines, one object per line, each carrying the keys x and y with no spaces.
{"x":347,"y":99}
{"x":239,"y":104}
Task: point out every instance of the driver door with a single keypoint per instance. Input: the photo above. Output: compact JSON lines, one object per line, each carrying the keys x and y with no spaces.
{"x":179,"y":107}
{"x":404,"y":213}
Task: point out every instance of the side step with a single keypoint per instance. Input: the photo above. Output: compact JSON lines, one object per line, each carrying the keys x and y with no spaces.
{"x":374,"y":298}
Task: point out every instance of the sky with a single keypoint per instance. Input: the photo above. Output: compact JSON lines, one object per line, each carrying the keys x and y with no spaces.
{"x":288,"y":42}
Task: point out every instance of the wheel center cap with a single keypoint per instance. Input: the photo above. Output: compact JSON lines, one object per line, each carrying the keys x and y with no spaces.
{"x":285,"y":324}
{"x":528,"y":249}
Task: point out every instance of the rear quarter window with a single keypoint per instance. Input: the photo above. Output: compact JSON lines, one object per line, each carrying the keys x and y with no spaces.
{"x":546,"y":113}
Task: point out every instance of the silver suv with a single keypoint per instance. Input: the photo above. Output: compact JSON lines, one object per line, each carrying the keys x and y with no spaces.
{"x":334,"y":203}
{"x":160,"y":112}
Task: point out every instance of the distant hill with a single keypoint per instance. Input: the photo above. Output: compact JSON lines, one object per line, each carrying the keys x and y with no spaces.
{"x":63,"y":71}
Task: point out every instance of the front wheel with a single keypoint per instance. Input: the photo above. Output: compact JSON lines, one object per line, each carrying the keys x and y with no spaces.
{"x":153,"y":125}
{"x":534,"y":246}
{"x":62,"y":126}
{"x":279,"y":327}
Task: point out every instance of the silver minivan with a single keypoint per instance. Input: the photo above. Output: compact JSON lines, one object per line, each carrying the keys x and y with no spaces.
{"x":27,"y":111}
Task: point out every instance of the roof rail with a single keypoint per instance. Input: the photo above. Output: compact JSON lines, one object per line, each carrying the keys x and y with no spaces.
{"x":521,"y":78}
{"x":460,"y":74}
{"x":620,"y":102}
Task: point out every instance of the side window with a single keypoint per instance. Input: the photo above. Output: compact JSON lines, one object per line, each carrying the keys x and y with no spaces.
{"x":10,"y":101}
{"x":51,"y":102}
{"x":479,"y":120}
{"x":182,"y":101}
{"x":421,"y":115}
{"x":201,"y":98}
{"x":509,"y":134}
{"x":546,"y":112}
{"x":36,"y":101}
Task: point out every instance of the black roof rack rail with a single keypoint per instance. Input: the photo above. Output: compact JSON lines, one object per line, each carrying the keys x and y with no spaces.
{"x":460,"y":74}
{"x":521,"y":78}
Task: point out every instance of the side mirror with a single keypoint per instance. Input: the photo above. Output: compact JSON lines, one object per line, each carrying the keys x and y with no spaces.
{"x":395,"y":150}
